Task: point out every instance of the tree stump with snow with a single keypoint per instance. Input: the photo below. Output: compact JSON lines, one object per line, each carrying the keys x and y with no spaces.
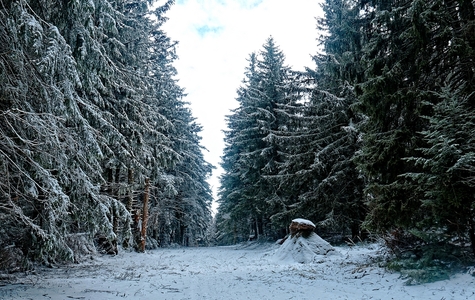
{"x":301,"y":227}
{"x":303,"y":245}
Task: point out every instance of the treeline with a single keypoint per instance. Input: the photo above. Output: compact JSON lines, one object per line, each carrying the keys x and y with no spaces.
{"x":377,"y":138}
{"x":93,"y":124}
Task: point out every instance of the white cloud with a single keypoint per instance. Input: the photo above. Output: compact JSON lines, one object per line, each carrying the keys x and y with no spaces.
{"x":215,"y":39}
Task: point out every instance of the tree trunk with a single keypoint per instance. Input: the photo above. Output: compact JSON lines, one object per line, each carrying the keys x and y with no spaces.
{"x":471,"y":232}
{"x":130,"y":198}
{"x":115,"y":218}
{"x":117,"y":183}
{"x":115,"y":221}
{"x":257,"y":228}
{"x":234,"y":233}
{"x":145,"y":215}
{"x":129,"y":205}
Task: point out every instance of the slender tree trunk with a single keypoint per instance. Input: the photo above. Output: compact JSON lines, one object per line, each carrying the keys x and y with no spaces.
{"x":262,"y":228}
{"x":116,"y":184}
{"x":137,"y":229}
{"x":130,"y":198}
{"x":129,"y":205}
{"x":257,"y":228}
{"x":145,"y":214}
{"x":234,"y":233}
{"x":471,"y":232}
{"x":115,"y":219}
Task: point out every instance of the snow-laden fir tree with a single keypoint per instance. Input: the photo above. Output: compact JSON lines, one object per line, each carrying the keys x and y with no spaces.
{"x":446,"y":157}
{"x":251,"y":153}
{"x":82,"y":84}
{"x":231,"y":208}
{"x":38,"y":78}
{"x":181,"y":212}
{"x":180,"y":209}
{"x":418,"y":61}
{"x":392,"y":99}
{"x":318,"y":179}
{"x":448,"y":162}
{"x":114,"y":47}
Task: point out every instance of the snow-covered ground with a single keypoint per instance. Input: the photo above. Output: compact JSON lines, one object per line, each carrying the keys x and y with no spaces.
{"x":238,"y":272}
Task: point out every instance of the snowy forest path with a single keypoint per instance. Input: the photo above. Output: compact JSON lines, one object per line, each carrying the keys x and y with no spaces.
{"x":229,"y":273}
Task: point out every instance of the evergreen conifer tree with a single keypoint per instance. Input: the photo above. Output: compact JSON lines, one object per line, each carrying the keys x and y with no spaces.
{"x":445,"y":159}
{"x":181,"y":213}
{"x":318,"y":178}
{"x":83,"y":91}
{"x":418,"y":57}
{"x":251,"y":153}
{"x":392,"y":98}
{"x":447,"y":164}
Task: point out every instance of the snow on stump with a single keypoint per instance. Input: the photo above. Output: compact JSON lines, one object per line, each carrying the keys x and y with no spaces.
{"x":303,"y":245}
{"x":301,"y":227}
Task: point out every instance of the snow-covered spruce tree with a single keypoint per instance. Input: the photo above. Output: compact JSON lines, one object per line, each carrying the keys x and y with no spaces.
{"x":181,"y":197}
{"x":292,"y":122}
{"x":251,"y":153}
{"x":191,"y":206}
{"x":231,"y":227}
{"x":110,"y":43}
{"x":81,"y":120}
{"x":182,"y":212}
{"x":50,"y":159}
{"x":448,"y":163}
{"x":318,"y":178}
{"x":131,"y":91}
{"x":397,"y":58}
{"x":411,"y":48}
{"x":446,"y":179}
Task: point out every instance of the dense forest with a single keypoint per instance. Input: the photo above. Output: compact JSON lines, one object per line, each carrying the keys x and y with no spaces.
{"x":98,"y":149}
{"x":375,"y":139}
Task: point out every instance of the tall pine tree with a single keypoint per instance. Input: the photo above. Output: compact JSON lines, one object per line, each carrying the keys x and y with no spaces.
{"x":392,"y":99}
{"x":251,"y":153}
{"x":84,"y":87}
{"x":318,"y":178}
{"x":418,"y":57}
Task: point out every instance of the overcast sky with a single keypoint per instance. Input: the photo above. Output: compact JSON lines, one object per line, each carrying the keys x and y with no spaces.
{"x":215,"y":39}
